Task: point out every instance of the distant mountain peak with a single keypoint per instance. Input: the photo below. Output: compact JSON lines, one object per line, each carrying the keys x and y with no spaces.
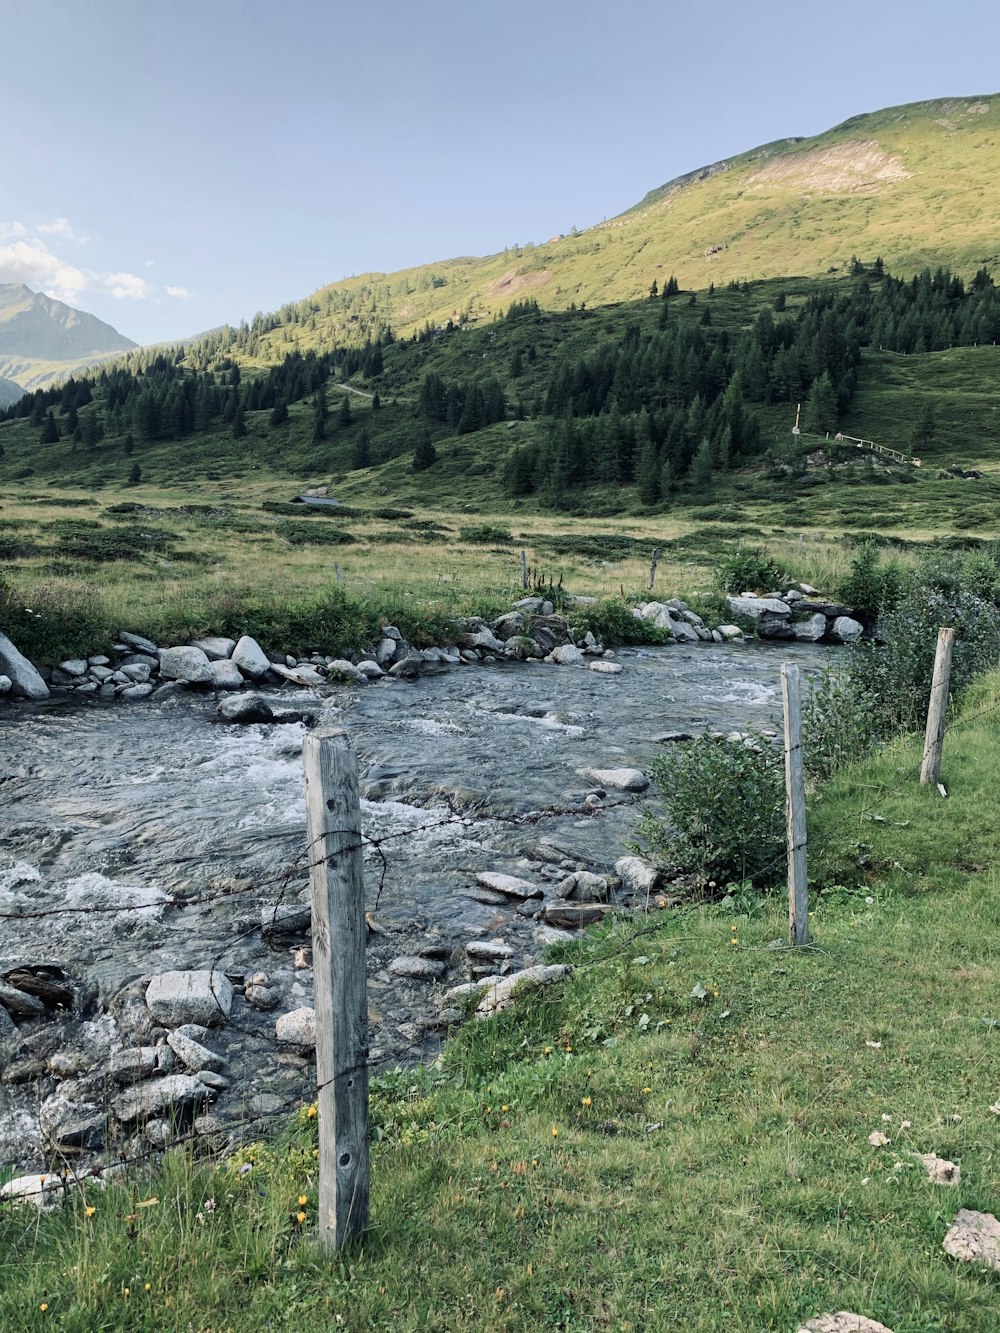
{"x":42,"y":339}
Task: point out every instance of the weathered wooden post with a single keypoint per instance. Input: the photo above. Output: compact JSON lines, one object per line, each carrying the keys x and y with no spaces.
{"x":339,"y":936}
{"x":652,"y":567}
{"x":524,"y":569}
{"x":795,"y":806}
{"x":930,"y":768}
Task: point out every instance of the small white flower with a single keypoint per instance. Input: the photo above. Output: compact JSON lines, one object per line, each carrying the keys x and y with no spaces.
{"x":886,"y":1117}
{"x":956,"y":1119}
{"x":906,"y":1124}
{"x":869,"y":901}
{"x":875,"y":1045}
{"x":866,"y":1180}
{"x":877,"y":1139}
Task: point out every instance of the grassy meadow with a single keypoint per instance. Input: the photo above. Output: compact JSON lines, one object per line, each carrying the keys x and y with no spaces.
{"x":698,"y":1130}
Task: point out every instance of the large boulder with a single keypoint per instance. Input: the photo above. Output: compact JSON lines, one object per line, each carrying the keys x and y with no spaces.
{"x":622,"y":779}
{"x":226,"y":675}
{"x":810,"y":630}
{"x":771,"y":615}
{"x":25,"y":682}
{"x":159,"y":1097}
{"x":201,"y":997}
{"x":186,"y":664}
{"x":250,"y":657}
{"x":216,"y":649}
{"x":846,"y":630}
{"x":245,"y":708}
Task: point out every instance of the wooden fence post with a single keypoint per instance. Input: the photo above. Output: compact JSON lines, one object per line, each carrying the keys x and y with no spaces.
{"x":652,"y":567}
{"x":930,"y":768}
{"x":795,"y":806}
{"x":524,"y":569}
{"x":339,"y":940}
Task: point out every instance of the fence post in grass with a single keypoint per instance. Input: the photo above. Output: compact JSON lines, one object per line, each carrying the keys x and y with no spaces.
{"x":930,"y":768}
{"x":795,"y":806}
{"x":339,"y":936}
{"x":524,"y":569}
{"x":652,"y":567}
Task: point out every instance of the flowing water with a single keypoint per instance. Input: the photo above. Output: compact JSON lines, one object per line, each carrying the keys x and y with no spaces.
{"x":131,"y":811}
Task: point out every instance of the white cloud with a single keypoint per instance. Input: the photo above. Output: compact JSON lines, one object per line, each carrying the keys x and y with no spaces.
{"x":57,"y":227}
{"x":26,"y":256}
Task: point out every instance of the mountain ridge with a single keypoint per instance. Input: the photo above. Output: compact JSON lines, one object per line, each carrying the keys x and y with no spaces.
{"x":42,"y":339}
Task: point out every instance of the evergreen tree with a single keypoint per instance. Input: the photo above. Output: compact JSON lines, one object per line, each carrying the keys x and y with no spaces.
{"x":344,"y":417}
{"x":128,"y":446}
{"x":279,"y":413}
{"x":319,"y":415}
{"x":239,"y":423}
{"x":50,"y":431}
{"x":135,"y":475}
{"x":424,"y":455}
{"x":361,"y":453}
{"x":647,"y":473}
{"x":820,"y":412}
{"x":701,"y":465}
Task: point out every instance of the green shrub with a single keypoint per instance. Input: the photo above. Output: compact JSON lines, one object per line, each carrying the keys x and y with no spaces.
{"x":485,"y":534}
{"x":839,"y":722}
{"x":749,"y":568}
{"x":724,"y":805}
{"x":611,"y":621}
{"x":871,"y":588}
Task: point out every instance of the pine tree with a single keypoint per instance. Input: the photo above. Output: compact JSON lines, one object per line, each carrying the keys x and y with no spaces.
{"x":701,"y":465}
{"x":239,"y":423}
{"x":279,"y":413}
{"x":319,"y":415}
{"x":135,"y":475}
{"x":361,"y":454}
{"x":424,"y":455}
{"x":820,"y":413}
{"x":344,"y":417}
{"x":50,"y":431}
{"x":647,"y":473}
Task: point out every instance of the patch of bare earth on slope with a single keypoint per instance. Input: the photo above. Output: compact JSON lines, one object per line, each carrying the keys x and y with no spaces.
{"x":515,"y":281}
{"x":861,"y":165}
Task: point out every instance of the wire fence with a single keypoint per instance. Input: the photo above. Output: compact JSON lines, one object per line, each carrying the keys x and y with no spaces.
{"x":646,"y":919}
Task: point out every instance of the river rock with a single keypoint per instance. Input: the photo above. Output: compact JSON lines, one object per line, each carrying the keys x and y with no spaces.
{"x":622,"y":779}
{"x":190,"y":997}
{"x":44,"y":1190}
{"x":810,"y":630}
{"x":216,"y":649}
{"x":297,"y":1029}
{"x":137,"y":672}
{"x":501,"y":995}
{"x":509,"y":625}
{"x":25,"y":682}
{"x":605,"y":668}
{"x":417,"y":969}
{"x":407,"y":669}
{"x":137,"y":642}
{"x":573,"y":916}
{"x":226,"y":675}
{"x":159,"y":1097}
{"x":245,"y":708}
{"x":370,"y":669}
{"x":975,"y":1238}
{"x":6,"y":685}
{"x":385,"y":651}
{"x":509,"y":885}
{"x":19,"y":1003}
{"x":76,"y":666}
{"x":491,"y":951}
{"x":137,"y":691}
{"x":534,"y":606}
{"x":637,"y":874}
{"x":262,"y":997}
{"x":7,"y":1025}
{"x":132,"y":1064}
{"x":583,"y":887}
{"x":770,"y":613}
{"x":293,"y":918}
{"x":846,"y":630}
{"x":186,"y":664}
{"x":190,"y":1051}
{"x":250,"y":658}
{"x":567,"y":654}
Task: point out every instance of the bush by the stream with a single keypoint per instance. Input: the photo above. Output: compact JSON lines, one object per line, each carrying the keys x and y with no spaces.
{"x":724,"y":811}
{"x":749,"y":569}
{"x":611,"y":621}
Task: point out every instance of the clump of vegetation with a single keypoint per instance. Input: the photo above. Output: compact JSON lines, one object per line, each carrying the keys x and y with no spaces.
{"x":311,"y":534}
{"x":724,"y":811}
{"x":611,"y":621}
{"x":749,"y":569}
{"x":872,"y":588}
{"x":486,"y":534}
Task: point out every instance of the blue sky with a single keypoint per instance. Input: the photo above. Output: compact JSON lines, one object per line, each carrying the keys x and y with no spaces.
{"x":170,"y":165}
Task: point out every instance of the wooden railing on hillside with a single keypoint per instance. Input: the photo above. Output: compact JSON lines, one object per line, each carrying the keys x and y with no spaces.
{"x":876,"y":448}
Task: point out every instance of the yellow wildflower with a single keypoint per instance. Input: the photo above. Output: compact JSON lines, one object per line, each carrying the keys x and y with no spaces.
{"x":555,"y":1131}
{"x":586,"y":1101}
{"x":300,"y":1217}
{"x":44,"y":1306}
{"x":90,"y":1210}
{"x":303,"y":1200}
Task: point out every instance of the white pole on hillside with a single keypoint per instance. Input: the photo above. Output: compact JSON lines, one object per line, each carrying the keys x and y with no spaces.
{"x":339,"y":941}
{"x":795,"y":806}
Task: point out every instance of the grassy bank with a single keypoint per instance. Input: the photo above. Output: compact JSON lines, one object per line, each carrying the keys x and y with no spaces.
{"x":678,"y":1138}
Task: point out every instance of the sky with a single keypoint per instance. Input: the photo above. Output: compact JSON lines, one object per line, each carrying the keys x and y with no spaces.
{"x":172,"y":165}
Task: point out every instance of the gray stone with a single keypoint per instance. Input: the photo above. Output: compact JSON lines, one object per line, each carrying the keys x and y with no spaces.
{"x":293,"y":918}
{"x":264,"y":998}
{"x":501,"y":994}
{"x":132,"y":1064}
{"x":573,"y":916}
{"x":266,"y":1103}
{"x":137,"y":642}
{"x":621,"y":779}
{"x":192,"y":1054}
{"x":605,"y":668}
{"x":566,"y":654}
{"x":25,"y":682}
{"x":417,"y":969}
{"x":975,"y":1239}
{"x":341,"y":669}
{"x":385,"y":650}
{"x":20,"y":1004}
{"x":490,"y":950}
{"x":846,"y":630}
{"x":509,"y":885}
{"x":509,"y":625}
{"x":486,"y":639}
{"x":584,"y":887}
{"x":186,"y":664}
{"x":534,"y":606}
{"x":637,"y":875}
{"x":216,"y":649}
{"x":190,"y":997}
{"x":810,"y":630}
{"x":251,"y":658}
{"x":760,"y":608}
{"x":226,"y":675}
{"x":7,"y":1026}
{"x":6,"y":685}
{"x":44,"y":1190}
{"x":297,"y":1028}
{"x":245,"y":708}
{"x":76,"y":666}
{"x":212,"y":1079}
{"x":159,"y":1133}
{"x":137,"y":691}
{"x":159,"y":1097}
{"x":408,"y":668}
{"x":370,"y":669}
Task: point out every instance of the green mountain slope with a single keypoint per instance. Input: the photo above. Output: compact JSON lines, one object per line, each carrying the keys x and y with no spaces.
{"x":42,"y":339}
{"x":917,"y":185}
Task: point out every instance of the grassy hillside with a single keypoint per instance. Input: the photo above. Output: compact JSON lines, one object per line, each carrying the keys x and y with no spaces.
{"x":698,"y":1131}
{"x":917,"y":185}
